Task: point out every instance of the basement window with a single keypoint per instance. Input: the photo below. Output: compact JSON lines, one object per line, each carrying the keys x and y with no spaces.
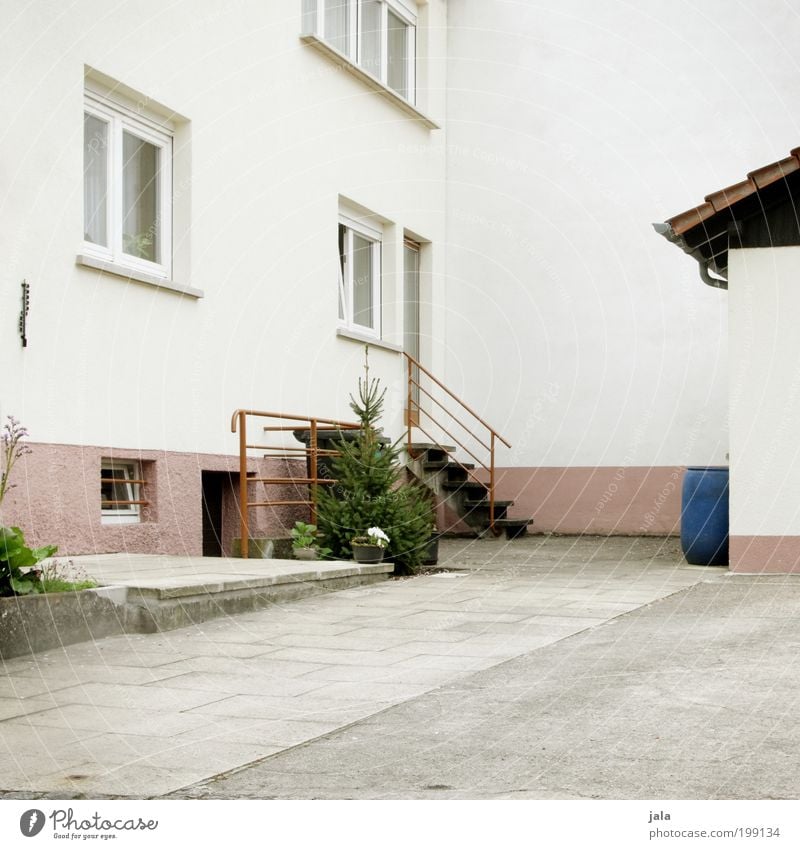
{"x":121,"y":486}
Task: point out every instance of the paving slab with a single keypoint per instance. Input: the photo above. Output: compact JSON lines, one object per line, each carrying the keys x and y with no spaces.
{"x":610,"y":713}
{"x":251,"y":688}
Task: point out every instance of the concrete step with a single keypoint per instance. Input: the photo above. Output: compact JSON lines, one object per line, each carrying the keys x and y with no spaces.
{"x":514,"y":528}
{"x":148,"y":593}
{"x":454,"y":471}
{"x":473,"y":504}
{"x":468,"y":486}
{"x":430,"y":451}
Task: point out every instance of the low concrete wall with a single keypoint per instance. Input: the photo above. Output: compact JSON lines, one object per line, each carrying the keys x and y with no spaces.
{"x":34,"y":623}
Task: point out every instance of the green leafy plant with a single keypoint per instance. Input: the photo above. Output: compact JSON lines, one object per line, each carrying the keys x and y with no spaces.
{"x":370,"y":490}
{"x":18,"y":575}
{"x":305,"y":535}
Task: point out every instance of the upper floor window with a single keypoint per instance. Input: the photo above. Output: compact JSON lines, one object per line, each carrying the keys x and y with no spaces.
{"x":127,"y":188}
{"x":376,"y":35}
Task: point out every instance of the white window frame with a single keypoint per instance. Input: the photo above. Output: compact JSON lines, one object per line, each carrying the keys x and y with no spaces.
{"x":126,"y":514}
{"x":314,"y":18}
{"x":345,"y":276}
{"x":121,"y":119}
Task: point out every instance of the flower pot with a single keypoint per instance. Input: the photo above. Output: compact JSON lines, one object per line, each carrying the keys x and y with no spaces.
{"x":430,"y":553}
{"x":305,"y":553}
{"x":367,"y":553}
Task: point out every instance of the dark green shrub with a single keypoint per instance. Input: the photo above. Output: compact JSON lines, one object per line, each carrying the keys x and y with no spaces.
{"x":370,"y":490}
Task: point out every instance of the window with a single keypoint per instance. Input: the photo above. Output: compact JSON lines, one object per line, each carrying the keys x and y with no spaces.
{"x":376,"y":35}
{"x":127,"y":188}
{"x":359,"y":277}
{"x":120,"y":488}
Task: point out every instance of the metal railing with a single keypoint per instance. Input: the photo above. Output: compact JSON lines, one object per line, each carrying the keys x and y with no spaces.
{"x":414,"y":419}
{"x":311,"y":452}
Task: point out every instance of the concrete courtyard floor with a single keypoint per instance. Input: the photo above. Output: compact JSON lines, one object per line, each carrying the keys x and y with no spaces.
{"x":547,"y":667}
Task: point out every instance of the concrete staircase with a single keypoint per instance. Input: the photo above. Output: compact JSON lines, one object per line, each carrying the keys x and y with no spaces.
{"x":456,"y":486}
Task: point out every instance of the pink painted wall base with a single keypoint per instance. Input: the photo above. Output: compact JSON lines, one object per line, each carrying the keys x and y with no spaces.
{"x":605,"y":500}
{"x":765,"y":554}
{"x":56,"y":500}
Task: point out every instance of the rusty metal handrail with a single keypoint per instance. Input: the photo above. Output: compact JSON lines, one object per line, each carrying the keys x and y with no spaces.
{"x":312,"y":453}
{"x":412,"y":421}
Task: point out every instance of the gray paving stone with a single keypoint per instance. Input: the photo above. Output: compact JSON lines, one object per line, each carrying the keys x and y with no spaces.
{"x":240,"y":688}
{"x":344,"y":656}
{"x":161,"y":698}
{"x":97,"y":719}
{"x":263,"y":664}
{"x":392,"y":674}
{"x":338,"y":712}
{"x":15,"y":707}
{"x":221,"y":685}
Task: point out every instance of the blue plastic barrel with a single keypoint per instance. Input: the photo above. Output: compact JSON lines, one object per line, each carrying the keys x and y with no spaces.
{"x":704,"y":516}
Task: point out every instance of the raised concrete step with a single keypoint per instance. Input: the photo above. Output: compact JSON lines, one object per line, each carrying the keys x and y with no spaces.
{"x":143,"y":593}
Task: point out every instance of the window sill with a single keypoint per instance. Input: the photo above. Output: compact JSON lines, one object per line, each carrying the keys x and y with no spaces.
{"x":366,"y":339}
{"x":139,"y":276}
{"x":373,"y":82}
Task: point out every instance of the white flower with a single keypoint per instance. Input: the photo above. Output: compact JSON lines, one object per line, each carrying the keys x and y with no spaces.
{"x":378,"y":537}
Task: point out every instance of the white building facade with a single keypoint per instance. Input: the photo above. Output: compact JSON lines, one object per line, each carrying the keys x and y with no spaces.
{"x":215,"y":206}
{"x":211,"y":206}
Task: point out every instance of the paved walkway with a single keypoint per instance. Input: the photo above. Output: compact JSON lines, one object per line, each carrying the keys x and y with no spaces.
{"x":147,"y":715}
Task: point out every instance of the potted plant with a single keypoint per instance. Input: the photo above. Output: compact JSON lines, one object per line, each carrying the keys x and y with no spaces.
{"x":369,"y":547}
{"x":304,"y":542}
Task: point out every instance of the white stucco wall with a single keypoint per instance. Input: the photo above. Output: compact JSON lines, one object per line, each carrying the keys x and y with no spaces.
{"x":571,"y":127}
{"x":558,"y":313}
{"x":277,"y":133}
{"x":764,"y":392}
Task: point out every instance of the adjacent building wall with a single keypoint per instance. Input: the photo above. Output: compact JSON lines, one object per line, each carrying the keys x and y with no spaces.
{"x":583,"y":337}
{"x":764,"y":302}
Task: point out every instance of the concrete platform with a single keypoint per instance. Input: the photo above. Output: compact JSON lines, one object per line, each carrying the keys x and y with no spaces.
{"x":277,"y":702}
{"x":145,"y":594}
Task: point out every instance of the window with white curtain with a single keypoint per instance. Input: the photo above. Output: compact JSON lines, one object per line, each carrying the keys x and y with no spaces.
{"x":377,"y":35}
{"x":359,"y":277}
{"x":127,"y":188}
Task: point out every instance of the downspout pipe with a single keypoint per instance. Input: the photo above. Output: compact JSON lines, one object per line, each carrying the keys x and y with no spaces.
{"x":705,"y":275}
{"x":664,"y":229}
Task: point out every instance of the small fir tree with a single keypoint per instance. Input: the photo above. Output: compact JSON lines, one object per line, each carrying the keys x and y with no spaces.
{"x":370,"y":491}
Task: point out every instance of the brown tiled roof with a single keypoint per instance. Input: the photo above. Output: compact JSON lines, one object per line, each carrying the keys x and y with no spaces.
{"x":725,"y":198}
{"x":705,"y":231}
